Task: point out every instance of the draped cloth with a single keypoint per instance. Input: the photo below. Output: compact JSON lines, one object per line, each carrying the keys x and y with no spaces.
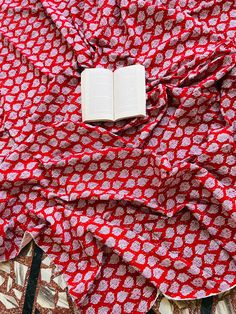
{"x":132,"y":208}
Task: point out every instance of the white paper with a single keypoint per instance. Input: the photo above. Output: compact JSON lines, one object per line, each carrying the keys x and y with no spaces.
{"x":113,"y":96}
{"x":129,"y":92}
{"x":97,"y":94}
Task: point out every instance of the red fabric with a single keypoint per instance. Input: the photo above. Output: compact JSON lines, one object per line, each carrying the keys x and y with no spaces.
{"x":129,"y":208}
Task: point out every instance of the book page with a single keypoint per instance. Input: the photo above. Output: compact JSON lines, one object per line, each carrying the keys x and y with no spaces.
{"x":97,"y":95}
{"x":129,"y":92}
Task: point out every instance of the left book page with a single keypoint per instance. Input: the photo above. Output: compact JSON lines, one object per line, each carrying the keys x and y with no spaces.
{"x":97,"y":95}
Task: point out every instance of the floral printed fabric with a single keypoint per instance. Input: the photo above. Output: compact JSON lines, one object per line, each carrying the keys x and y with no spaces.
{"x":129,"y":208}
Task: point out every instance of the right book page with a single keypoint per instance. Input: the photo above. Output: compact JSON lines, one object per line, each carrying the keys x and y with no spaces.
{"x":129,"y":92}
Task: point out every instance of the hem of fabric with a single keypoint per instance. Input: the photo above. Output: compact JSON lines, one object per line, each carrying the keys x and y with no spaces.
{"x":203,"y":297}
{"x":154,"y":301}
{"x":28,"y":237}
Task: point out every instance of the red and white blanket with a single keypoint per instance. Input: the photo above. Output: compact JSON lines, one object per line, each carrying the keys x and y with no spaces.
{"x":131,"y":208}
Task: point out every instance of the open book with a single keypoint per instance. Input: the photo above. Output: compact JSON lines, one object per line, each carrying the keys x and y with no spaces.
{"x":108,"y":96}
